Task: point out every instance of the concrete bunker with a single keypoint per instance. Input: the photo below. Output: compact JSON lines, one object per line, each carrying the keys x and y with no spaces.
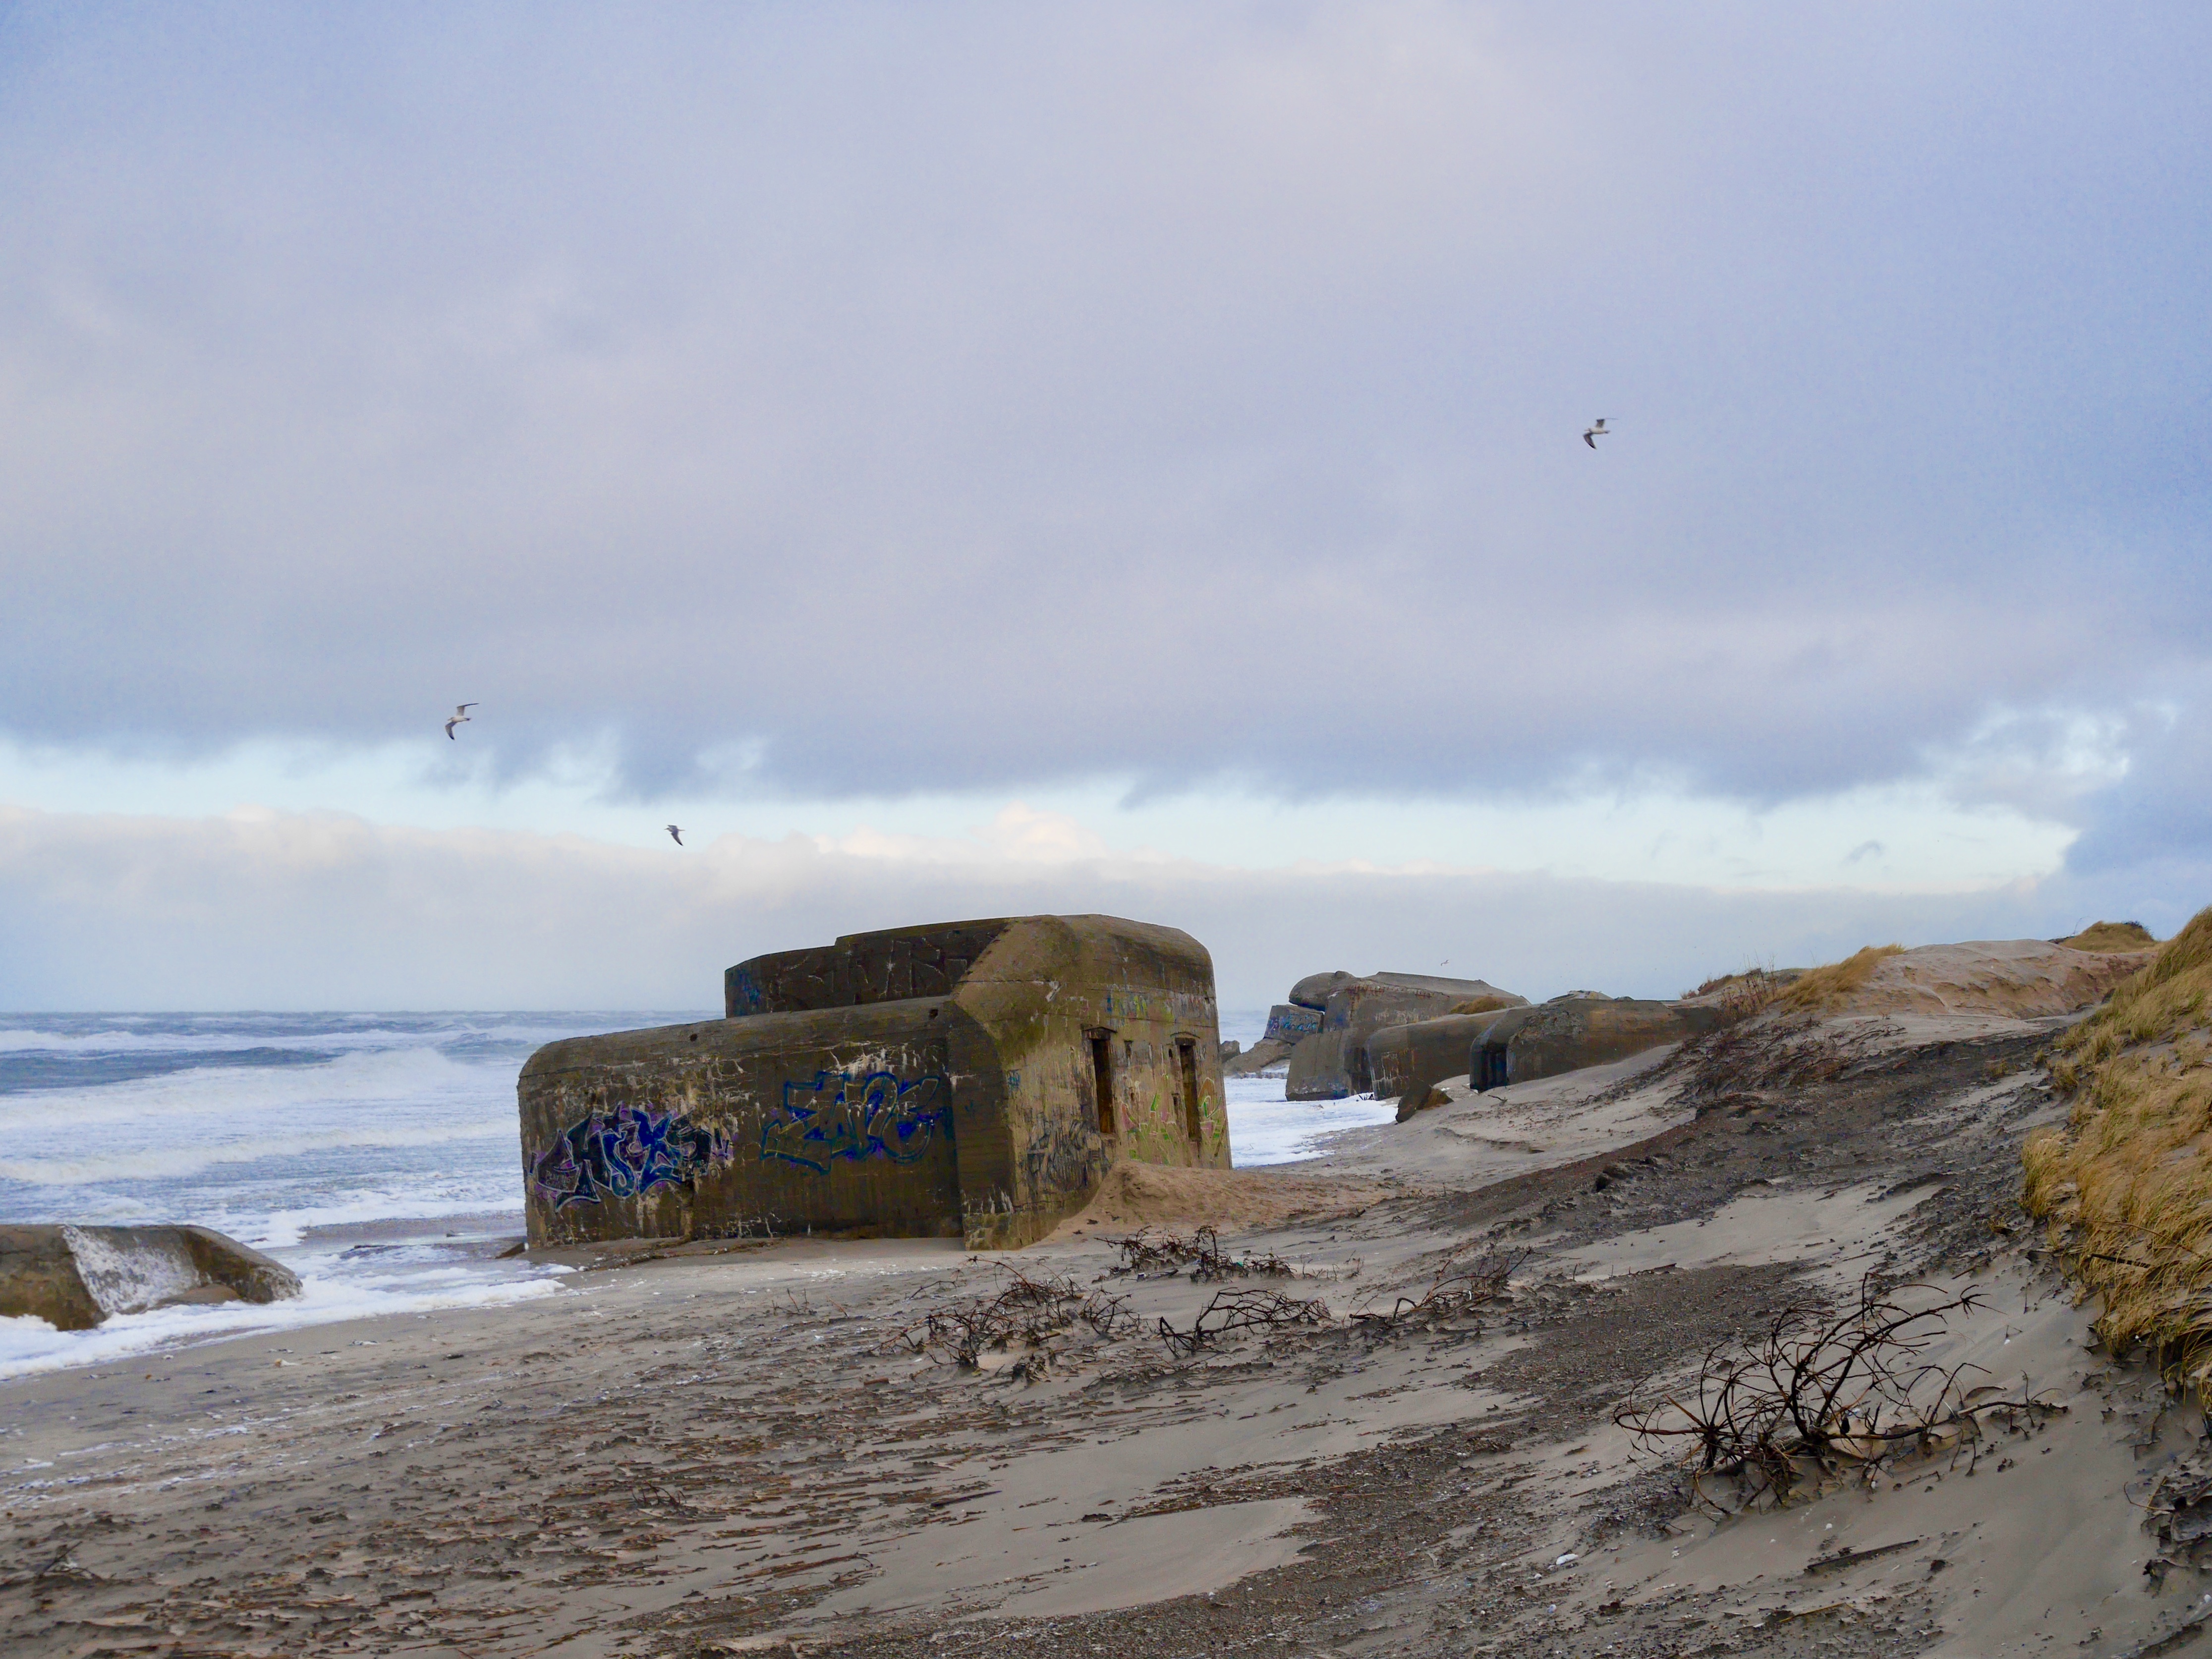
{"x":1568,"y":1033}
{"x":1410,"y":1060}
{"x":1333,"y":1061}
{"x":973,"y":1079}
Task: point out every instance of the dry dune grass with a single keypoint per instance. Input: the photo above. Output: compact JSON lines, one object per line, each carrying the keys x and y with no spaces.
{"x":2127,"y":1186}
{"x":1739,"y":996}
{"x":1480,"y":1005}
{"x":1820,"y":988}
{"x":2112,"y":935}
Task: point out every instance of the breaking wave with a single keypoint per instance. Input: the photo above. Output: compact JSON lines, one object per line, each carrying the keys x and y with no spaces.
{"x":375,"y":1154}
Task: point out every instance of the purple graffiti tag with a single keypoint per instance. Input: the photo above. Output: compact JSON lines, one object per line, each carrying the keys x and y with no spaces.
{"x":626,"y":1152}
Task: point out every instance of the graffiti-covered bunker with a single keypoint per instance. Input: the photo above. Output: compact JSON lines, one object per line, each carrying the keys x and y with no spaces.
{"x":970,"y":1080}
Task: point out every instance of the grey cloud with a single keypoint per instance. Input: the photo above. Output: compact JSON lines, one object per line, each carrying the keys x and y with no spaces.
{"x":986,"y":396}
{"x":2153,"y":830}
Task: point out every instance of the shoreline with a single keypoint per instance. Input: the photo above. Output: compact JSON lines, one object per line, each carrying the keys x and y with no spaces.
{"x":453,"y":1255}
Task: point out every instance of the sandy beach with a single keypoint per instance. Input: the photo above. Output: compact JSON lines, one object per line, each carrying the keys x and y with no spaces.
{"x":718,"y":1448}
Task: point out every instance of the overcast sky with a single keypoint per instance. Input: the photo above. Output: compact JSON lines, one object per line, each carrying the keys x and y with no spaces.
{"x":957,"y":459}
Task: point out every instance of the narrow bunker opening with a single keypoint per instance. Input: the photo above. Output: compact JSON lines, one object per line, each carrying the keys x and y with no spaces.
{"x":1490,"y":1066}
{"x":1187,"y":1052}
{"x":1102,"y":1078}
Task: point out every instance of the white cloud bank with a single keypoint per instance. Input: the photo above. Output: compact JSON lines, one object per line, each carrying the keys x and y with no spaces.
{"x":259,"y":908}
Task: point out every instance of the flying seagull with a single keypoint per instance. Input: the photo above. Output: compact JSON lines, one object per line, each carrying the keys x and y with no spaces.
{"x":1595,"y":431}
{"x":674,"y":834}
{"x":460,"y":718}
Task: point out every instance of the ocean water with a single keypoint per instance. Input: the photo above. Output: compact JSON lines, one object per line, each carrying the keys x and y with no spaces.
{"x":374,"y":1154}
{"x":1266,"y":1128}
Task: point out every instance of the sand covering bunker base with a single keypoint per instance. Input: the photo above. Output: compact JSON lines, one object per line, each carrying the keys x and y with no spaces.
{"x":1151,"y":1195}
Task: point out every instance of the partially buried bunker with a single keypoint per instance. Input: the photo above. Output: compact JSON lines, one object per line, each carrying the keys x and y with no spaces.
{"x":970,"y":1080}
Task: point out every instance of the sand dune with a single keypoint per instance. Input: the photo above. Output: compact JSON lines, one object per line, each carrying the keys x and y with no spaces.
{"x":2023,"y":978}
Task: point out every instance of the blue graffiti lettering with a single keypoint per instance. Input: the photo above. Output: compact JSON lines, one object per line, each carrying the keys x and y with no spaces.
{"x":625,"y":1152}
{"x":837,"y":1115}
{"x":748,"y":995}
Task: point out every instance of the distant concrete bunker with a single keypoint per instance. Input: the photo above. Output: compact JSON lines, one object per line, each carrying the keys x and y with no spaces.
{"x":974,"y":1080}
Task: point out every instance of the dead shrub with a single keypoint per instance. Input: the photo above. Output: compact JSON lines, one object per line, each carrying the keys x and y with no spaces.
{"x":1817,"y":1391}
{"x":1027,"y":1312}
{"x":1232,"y":1312}
{"x":1471,"y":1276}
{"x":1144,"y":1252}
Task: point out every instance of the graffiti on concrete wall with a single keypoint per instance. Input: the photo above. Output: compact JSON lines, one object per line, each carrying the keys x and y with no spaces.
{"x":741,"y":993}
{"x":873,"y":968}
{"x":840,"y":1115}
{"x":1062,"y":1155}
{"x":625,"y":1152}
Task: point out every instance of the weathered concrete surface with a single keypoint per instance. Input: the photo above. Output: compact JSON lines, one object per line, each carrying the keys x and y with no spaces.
{"x":1421,"y":1097}
{"x":1312,"y":992}
{"x":1576,"y":1031}
{"x":1289,"y":1021}
{"x":1408,"y":1059}
{"x":1333,"y":1063}
{"x":896,"y":965}
{"x":74,"y":1277}
{"x":1259,"y":1057}
{"x":972,"y":1080}
{"x":1489,"y":1054}
{"x":1567,"y":1036}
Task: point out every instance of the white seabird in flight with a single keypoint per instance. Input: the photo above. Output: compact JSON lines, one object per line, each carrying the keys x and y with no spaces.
{"x":460,"y":718}
{"x":674,"y":834}
{"x":1595,"y":431}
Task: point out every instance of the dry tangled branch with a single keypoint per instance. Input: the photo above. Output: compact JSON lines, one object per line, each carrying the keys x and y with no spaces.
{"x":1232,"y":1311}
{"x":1142,"y":1252}
{"x":1466,"y":1279}
{"x":1819,"y":1389}
{"x":1028,"y":1311}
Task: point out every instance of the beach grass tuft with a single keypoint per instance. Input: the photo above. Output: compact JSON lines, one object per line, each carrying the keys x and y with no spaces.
{"x":1481,"y":1004}
{"x":2126,"y":1186}
{"x":2112,"y":935}
{"x":1819,"y":988}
